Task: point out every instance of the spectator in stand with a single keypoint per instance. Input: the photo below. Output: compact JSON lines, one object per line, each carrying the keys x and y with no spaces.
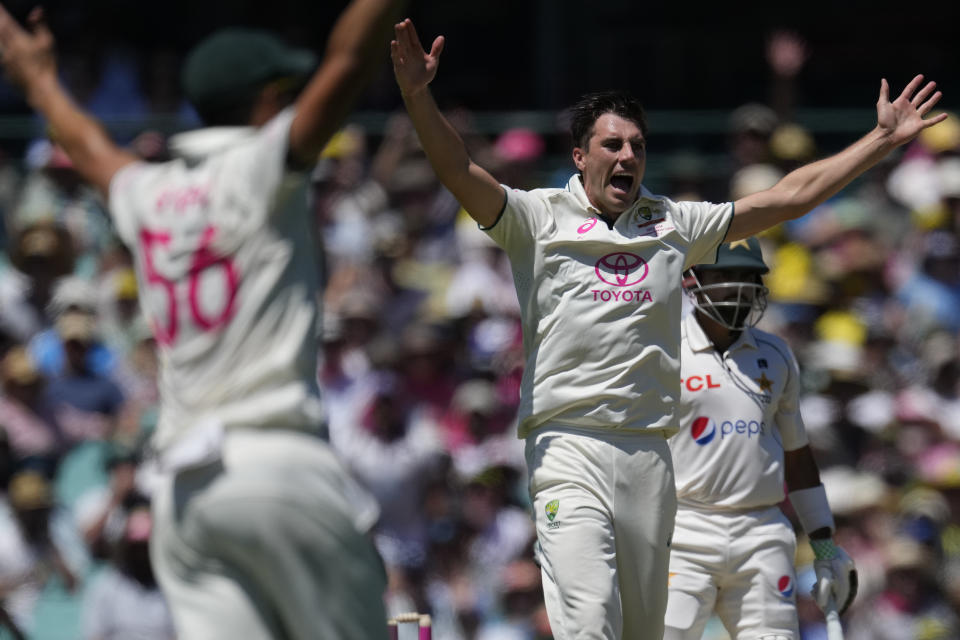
{"x":395,"y":451}
{"x":88,"y":404}
{"x":26,"y":415}
{"x":55,"y":191}
{"x":102,"y":511}
{"x":73,"y":295}
{"x":912,"y":605}
{"x":932,"y":295}
{"x":34,"y":548}
{"x":42,"y":254}
{"x":124,"y":601}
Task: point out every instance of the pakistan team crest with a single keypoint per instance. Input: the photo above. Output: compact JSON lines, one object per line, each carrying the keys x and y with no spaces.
{"x":552,"y":507}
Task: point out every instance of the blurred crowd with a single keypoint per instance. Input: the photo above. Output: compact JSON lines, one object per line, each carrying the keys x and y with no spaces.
{"x":421,"y":365}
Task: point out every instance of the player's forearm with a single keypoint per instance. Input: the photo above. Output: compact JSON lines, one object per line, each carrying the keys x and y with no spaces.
{"x":802,"y":475}
{"x":91,"y":150}
{"x":441,"y":143}
{"x":364,"y":26}
{"x":805,"y":188}
{"x":810,"y":185}
{"x":477,"y":191}
{"x":358,"y":43}
{"x":800,"y":469}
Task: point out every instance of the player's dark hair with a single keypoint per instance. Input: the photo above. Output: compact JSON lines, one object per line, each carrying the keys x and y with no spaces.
{"x":586,"y":111}
{"x":236,"y":115}
{"x":239,"y":113}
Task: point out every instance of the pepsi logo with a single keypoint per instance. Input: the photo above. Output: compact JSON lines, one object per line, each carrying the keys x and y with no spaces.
{"x":622,"y":269}
{"x":586,"y":226}
{"x":703,"y":430}
{"x":785,"y":586}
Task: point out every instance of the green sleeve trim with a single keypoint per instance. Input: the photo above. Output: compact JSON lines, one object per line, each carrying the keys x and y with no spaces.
{"x":716,"y":254}
{"x":499,"y":215}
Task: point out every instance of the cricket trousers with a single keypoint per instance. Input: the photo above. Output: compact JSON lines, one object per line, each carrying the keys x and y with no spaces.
{"x":269,"y":542}
{"x":604,"y":507}
{"x":737,"y":563}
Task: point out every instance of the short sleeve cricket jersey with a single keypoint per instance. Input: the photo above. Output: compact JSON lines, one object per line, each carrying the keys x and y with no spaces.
{"x":738,"y":414}
{"x":600,"y":304}
{"x":226,"y":265}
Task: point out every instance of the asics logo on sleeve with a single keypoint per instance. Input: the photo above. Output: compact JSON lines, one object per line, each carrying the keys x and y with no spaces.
{"x":703,"y":430}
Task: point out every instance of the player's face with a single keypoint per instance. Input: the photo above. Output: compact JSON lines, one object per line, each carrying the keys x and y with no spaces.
{"x":731,"y":295}
{"x":613,"y":163}
{"x":717,"y":278}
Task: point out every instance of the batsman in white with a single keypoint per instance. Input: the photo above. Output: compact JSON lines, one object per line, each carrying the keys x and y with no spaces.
{"x":597,"y":268}
{"x":741,"y":436}
{"x":259,"y":531}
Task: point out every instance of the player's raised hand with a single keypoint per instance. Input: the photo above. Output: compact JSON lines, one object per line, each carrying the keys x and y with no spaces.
{"x":903,"y":119}
{"x":27,"y":56}
{"x":413,"y":67}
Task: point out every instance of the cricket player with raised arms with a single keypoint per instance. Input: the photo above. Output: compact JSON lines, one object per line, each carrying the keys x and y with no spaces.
{"x":597,"y":268}
{"x":741,"y":436}
{"x":259,"y":532}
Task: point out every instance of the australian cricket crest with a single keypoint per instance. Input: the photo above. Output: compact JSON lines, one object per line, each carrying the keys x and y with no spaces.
{"x":551,"y":510}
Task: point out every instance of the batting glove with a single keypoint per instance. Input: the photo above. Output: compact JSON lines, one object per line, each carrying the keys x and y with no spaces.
{"x":836,"y":575}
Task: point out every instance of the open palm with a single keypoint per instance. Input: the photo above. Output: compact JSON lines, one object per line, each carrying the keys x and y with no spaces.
{"x":27,"y":55}
{"x":903,"y":119}
{"x":413,"y":67}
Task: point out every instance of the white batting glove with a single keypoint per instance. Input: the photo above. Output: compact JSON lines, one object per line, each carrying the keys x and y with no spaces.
{"x":836,"y":575}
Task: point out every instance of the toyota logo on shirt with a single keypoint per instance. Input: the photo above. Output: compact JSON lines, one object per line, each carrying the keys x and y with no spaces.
{"x":622,"y":269}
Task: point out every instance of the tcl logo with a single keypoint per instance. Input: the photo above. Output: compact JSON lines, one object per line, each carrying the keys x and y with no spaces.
{"x":699,"y":383}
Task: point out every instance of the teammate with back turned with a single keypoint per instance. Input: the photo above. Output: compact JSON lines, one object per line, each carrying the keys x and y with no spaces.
{"x":597,"y":268}
{"x":259,"y":532}
{"x":741,"y":435}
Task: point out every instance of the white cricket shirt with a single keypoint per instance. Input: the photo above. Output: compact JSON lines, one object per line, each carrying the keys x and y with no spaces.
{"x":738,"y":414}
{"x":600,"y":306}
{"x":227,"y":271}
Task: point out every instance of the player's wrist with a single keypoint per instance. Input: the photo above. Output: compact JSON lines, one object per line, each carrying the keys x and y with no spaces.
{"x":413,"y":94}
{"x":39,"y":89}
{"x":813,"y":509}
{"x":884,"y":138}
{"x":823,"y":548}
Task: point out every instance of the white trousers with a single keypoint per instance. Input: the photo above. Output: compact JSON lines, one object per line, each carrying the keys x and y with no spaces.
{"x":268,"y":543}
{"x":604,"y":508}
{"x":739,"y":564}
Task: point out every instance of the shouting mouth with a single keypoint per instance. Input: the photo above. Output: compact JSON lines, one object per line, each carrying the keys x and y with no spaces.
{"x":621,"y":183}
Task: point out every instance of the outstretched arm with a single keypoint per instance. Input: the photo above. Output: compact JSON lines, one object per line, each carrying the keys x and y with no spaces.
{"x":29,"y":61}
{"x":477,"y":191}
{"x":356,"y":43}
{"x":898,"y":122}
